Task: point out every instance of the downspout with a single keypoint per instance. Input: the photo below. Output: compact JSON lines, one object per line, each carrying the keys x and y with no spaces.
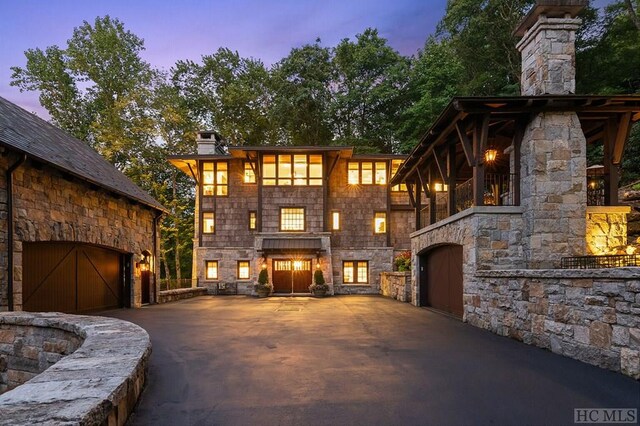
{"x":156,"y":219}
{"x":9,"y":178}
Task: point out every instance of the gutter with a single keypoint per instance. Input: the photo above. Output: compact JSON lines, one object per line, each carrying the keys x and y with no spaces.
{"x":10,"y":242}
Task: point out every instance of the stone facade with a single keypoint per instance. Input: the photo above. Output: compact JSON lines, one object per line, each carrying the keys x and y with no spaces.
{"x":606,"y":229}
{"x":396,"y":285}
{"x":51,"y":206}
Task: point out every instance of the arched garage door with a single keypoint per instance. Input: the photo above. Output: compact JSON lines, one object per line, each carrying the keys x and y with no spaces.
{"x":71,"y":278}
{"x":441,"y":279}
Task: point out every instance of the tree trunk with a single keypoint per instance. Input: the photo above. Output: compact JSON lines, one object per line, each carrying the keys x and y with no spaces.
{"x":633,"y":14}
{"x":163,"y":260}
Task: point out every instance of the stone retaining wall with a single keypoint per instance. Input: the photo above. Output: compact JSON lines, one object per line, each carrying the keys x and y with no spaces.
{"x":97,"y":384}
{"x":396,"y":285}
{"x":589,"y":315}
{"x":180,"y":293}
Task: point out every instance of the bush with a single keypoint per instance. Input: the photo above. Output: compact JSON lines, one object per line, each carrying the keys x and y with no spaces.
{"x":403,"y":261}
{"x":263,"y":277}
{"x":318,"y":277}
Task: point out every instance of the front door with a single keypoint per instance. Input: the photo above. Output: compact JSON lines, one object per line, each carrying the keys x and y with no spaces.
{"x":291,"y":276}
{"x":145,"y":279}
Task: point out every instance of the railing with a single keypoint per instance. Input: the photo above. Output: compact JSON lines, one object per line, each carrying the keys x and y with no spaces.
{"x":464,"y":196}
{"x":172,"y":284}
{"x":596,"y":262}
{"x":424,"y":217}
{"x":595,"y":194}
{"x":499,"y":189}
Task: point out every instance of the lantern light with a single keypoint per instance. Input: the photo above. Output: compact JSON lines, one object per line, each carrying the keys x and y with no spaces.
{"x":490,"y":155}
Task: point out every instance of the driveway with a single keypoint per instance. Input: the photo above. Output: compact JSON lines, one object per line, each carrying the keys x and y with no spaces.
{"x":352,"y":360}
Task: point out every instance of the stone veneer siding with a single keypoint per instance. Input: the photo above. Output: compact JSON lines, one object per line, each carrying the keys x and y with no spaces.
{"x":606,"y":229}
{"x":396,"y":285}
{"x":49,"y":206}
{"x":589,"y":315}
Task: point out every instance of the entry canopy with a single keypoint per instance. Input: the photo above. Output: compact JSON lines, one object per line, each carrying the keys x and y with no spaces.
{"x":291,"y":245}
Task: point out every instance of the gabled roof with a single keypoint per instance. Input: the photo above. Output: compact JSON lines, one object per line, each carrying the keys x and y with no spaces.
{"x":27,"y":134}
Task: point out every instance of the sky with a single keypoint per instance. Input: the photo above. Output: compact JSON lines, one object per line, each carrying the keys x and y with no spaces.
{"x":187,"y":29}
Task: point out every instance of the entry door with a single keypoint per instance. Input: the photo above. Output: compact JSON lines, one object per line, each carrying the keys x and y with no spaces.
{"x":145,"y":281}
{"x":444,"y":279}
{"x":291,"y":276}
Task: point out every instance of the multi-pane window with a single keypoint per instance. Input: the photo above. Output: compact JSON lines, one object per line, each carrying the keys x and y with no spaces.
{"x":208,"y":223}
{"x":243,"y":269}
{"x":395,"y":165}
{"x":335,"y":221}
{"x":297,"y":169}
{"x":355,"y":272}
{"x":249,"y":172}
{"x":215,"y":178}
{"x":291,"y":219}
{"x":253,"y":220}
{"x":366,"y":173}
{"x":380,"y":222}
{"x":211,"y":270}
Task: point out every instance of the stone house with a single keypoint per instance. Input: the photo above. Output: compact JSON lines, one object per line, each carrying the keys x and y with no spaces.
{"x":76,"y":234}
{"x":504,"y":207}
{"x":292,"y":210}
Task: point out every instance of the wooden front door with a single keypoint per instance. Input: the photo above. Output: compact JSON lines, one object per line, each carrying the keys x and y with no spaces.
{"x":291,"y":276}
{"x":442,"y":281}
{"x":71,"y":277}
{"x":145,"y":281}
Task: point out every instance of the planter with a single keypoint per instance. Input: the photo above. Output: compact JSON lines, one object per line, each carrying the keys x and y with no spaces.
{"x":319,"y":292}
{"x":263,"y":291}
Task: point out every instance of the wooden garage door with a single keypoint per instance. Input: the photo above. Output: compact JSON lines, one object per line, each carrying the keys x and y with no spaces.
{"x":71,"y":278}
{"x":444,"y":279}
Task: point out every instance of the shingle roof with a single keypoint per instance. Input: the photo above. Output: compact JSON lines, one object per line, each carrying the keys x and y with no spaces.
{"x":26,"y":133}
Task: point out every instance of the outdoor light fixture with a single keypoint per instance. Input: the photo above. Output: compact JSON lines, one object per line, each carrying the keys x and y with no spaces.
{"x":440,"y":187}
{"x":490,"y":155}
{"x":144,"y":263}
{"x":264,"y":265}
{"x":318,"y":264}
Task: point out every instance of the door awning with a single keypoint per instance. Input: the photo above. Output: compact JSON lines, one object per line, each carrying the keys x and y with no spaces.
{"x":291,"y":245}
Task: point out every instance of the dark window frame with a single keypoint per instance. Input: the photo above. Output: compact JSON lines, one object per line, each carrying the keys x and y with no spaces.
{"x":292,"y":178}
{"x":339,"y":228}
{"x":248,"y":262}
{"x":215,"y":178}
{"x":386,"y":222}
{"x":355,"y":272}
{"x":255,"y":214}
{"x":206,"y":270}
{"x":373,"y":172}
{"x":202,"y":213}
{"x":253,"y":169}
{"x":304,"y":218}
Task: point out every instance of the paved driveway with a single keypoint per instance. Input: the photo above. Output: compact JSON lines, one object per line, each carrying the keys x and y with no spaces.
{"x":352,"y":360}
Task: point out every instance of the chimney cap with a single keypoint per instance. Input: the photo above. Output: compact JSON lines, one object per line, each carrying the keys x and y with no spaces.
{"x":209,"y":135}
{"x":551,"y":9}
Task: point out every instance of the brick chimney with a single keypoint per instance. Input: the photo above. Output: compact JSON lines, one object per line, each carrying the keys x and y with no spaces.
{"x":548,"y":47}
{"x":210,"y":143}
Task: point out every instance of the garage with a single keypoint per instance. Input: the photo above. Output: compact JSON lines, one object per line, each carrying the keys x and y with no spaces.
{"x":441,"y":279}
{"x":72,"y":278}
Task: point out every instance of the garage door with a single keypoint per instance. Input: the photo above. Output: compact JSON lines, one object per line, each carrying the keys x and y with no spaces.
{"x":71,"y":278}
{"x":441,"y":279}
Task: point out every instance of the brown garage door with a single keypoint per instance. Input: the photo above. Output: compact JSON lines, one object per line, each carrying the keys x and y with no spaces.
{"x":71,"y":277}
{"x":291,"y":276}
{"x":443,"y":280}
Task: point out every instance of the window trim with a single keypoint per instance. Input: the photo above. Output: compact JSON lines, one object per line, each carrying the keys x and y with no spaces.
{"x":206,"y":270}
{"x":255,"y":213}
{"x":355,"y":272}
{"x":202,"y":222}
{"x":248,"y":262}
{"x":304,"y":218}
{"x":215,"y":178}
{"x":401,"y":187}
{"x":374,"y":170}
{"x":291,"y":156}
{"x":386,"y":228}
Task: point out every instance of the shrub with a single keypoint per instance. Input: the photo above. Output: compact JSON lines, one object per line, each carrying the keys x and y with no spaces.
{"x":318,"y":277}
{"x":263,"y":277}
{"x":403,"y":261}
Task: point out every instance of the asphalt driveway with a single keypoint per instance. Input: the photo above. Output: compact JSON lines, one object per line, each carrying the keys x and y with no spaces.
{"x":352,"y":360}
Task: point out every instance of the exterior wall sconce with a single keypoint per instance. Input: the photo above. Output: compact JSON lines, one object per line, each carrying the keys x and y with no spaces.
{"x":318,"y":264}
{"x":144,"y":264}
{"x":264,"y":265}
{"x":490,"y":155}
{"x":440,"y":187}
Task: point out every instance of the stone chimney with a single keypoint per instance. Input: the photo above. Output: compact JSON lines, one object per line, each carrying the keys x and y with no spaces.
{"x":210,"y":143}
{"x":548,"y":47}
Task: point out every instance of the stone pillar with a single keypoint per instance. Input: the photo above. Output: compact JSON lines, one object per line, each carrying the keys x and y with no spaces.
{"x":553,"y":152}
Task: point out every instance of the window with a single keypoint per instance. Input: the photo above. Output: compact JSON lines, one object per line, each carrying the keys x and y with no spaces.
{"x":208,"y":223}
{"x":355,"y":272}
{"x":211,"y":270}
{"x":335,"y":221}
{"x":243,"y":269}
{"x":366,"y":172}
{"x":215,"y":178}
{"x":253,"y":220}
{"x":249,"y":173}
{"x":395,"y":165}
{"x":380,"y":222}
{"x":297,"y":170}
{"x":291,"y":219}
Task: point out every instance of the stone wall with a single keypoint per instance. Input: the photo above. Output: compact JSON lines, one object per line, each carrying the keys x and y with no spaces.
{"x":308,"y":197}
{"x":380,"y":260}
{"x":396,"y":285}
{"x":167,"y":296}
{"x":50,"y":206}
{"x":606,"y":229}
{"x":26,"y":351}
{"x":227,"y":268}
{"x":589,"y":315}
{"x":631,"y":197}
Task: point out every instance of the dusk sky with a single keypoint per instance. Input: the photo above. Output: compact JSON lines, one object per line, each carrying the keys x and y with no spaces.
{"x":188,"y":29}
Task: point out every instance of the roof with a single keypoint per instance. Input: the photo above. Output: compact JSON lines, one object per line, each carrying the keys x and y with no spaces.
{"x":459,"y":108}
{"x":28,"y":134}
{"x":243,"y":151}
{"x":299,"y":245}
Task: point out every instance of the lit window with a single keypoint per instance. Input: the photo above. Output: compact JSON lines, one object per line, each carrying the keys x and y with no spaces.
{"x":212,"y":270}
{"x":291,"y":219}
{"x":354,"y":173}
{"x":285,"y":170}
{"x":269,"y":170}
{"x":299,"y":169}
{"x":335,"y":221}
{"x":380,"y":222}
{"x":253,"y":220}
{"x":208,"y":223}
{"x":215,"y":178}
{"x":243,"y":269}
{"x":381,"y":173}
{"x":366,"y":177}
{"x":315,"y":170}
{"x":395,"y":165}
{"x":355,"y":272}
{"x":249,"y":173}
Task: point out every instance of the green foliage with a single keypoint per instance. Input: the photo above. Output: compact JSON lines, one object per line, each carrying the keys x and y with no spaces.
{"x":318,"y":277}
{"x":263,"y":277}
{"x":403,"y":261}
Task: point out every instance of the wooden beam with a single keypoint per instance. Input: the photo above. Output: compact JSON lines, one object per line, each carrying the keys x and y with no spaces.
{"x":451,"y":159}
{"x":466,"y":145}
{"x":480,"y":137}
{"x":418,"y":208}
{"x":624,"y":127}
{"x":424,"y":184}
{"x":433,"y":217}
{"x":412,"y":199}
{"x":611,"y":172}
{"x":441,"y":167}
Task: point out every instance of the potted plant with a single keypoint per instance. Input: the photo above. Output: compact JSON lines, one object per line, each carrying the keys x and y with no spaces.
{"x":319,"y":288}
{"x":263,"y":288}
